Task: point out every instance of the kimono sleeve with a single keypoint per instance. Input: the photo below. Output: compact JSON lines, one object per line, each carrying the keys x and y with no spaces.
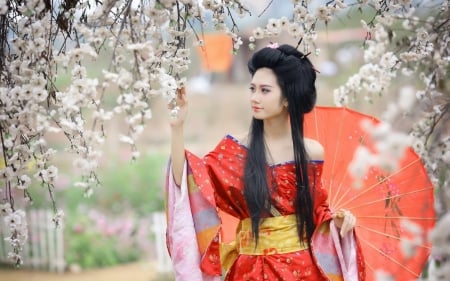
{"x":322,"y":210}
{"x":340,"y":258}
{"x":193,"y":224}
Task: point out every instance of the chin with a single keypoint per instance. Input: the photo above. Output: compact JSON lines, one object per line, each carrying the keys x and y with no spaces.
{"x":257,"y":117}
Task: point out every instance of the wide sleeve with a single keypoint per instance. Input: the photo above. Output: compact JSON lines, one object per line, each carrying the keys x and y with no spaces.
{"x":340,"y":258}
{"x":322,"y":211}
{"x":193,"y":224}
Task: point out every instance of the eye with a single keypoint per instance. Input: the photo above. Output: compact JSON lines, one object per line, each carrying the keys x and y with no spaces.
{"x":265,"y":90}
{"x":252,"y":89}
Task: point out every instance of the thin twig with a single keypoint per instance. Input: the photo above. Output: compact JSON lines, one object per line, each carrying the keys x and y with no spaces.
{"x":265,"y":9}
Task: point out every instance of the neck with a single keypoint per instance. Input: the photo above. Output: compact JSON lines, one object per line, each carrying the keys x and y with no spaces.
{"x":277,"y":128}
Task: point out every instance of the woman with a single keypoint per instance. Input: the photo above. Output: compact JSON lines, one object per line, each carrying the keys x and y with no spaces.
{"x":270,"y":181}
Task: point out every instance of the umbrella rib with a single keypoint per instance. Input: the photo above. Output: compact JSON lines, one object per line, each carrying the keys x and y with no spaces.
{"x":388,"y":235}
{"x":394,"y":217}
{"x":335,"y":153}
{"x":376,"y":184}
{"x":317,"y":125}
{"x":389,"y":257}
{"x":369,"y":265}
{"x":343,"y":179}
{"x":390,"y":197}
{"x":318,"y":137}
{"x":336,"y":193}
{"x":342,"y":195}
{"x":379,"y":232}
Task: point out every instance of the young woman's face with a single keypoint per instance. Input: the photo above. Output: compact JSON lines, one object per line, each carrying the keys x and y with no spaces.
{"x":265,"y":95}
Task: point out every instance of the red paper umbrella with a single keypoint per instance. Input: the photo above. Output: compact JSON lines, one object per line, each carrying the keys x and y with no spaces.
{"x":395,"y":210}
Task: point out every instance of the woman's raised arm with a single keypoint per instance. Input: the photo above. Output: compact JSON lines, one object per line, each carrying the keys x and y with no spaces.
{"x":177,"y":136}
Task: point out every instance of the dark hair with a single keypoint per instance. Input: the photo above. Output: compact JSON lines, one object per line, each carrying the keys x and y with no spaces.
{"x":296,"y":77}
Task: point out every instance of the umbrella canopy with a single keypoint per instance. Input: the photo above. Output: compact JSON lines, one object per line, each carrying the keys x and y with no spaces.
{"x":395,"y":210}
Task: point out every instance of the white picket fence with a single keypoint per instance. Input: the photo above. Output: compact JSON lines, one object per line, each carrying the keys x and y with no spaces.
{"x":159,"y":230}
{"x":44,"y":249}
{"x":45,"y":245}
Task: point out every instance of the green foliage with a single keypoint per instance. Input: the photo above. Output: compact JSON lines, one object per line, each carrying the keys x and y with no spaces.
{"x":137,"y":185}
{"x":89,"y":246}
{"x":91,"y":255}
{"x":112,"y":226}
{"x":134,"y":189}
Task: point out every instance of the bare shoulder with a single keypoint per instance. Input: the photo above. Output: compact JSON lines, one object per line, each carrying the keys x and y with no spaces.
{"x":241,"y":138}
{"x":314,"y":149}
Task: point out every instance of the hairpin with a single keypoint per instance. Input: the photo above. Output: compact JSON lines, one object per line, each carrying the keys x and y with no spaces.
{"x":273,"y":45}
{"x":312,"y":66}
{"x":299,"y":42}
{"x":305,"y":56}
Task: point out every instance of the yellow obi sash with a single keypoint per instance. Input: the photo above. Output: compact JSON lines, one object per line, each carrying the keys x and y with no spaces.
{"x":277,"y":235}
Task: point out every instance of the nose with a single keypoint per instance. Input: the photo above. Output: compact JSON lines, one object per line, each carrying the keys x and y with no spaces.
{"x":254,"y":97}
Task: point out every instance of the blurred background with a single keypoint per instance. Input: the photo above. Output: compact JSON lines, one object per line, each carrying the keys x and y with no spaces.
{"x":118,"y":232}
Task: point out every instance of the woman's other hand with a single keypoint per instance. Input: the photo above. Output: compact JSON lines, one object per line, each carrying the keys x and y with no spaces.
{"x":345,"y":221}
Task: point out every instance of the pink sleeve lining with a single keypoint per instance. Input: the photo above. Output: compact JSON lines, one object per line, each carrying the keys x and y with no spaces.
{"x":346,"y":251}
{"x":181,"y":234}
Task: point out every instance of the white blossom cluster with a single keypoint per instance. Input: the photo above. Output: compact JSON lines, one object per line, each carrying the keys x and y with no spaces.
{"x":375,"y":76}
{"x":407,"y":41}
{"x":16,"y":224}
{"x":149,"y":47}
{"x":26,"y":115}
{"x":221,"y":11}
{"x":301,"y":25}
{"x":151,"y":51}
{"x":412,"y":237}
{"x":439,"y":269}
{"x":420,"y":53}
{"x":389,"y":147}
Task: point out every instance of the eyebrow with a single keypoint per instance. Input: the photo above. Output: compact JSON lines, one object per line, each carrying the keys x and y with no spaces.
{"x":262,"y":85}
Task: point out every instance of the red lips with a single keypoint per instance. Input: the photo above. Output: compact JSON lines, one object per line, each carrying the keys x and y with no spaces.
{"x":256,"y":109}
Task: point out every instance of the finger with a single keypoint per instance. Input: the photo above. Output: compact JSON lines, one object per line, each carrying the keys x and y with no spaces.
{"x":353,"y":222}
{"x":345,"y":213}
{"x":344,"y":227}
{"x":181,"y":97}
{"x":336,"y":214}
{"x":349,"y":224}
{"x":181,"y":93}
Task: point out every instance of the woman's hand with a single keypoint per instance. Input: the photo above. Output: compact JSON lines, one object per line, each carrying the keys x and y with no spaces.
{"x":181,"y":106}
{"x":344,"y":220}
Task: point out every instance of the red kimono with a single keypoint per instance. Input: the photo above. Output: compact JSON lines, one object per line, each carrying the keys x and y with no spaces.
{"x":219,"y":178}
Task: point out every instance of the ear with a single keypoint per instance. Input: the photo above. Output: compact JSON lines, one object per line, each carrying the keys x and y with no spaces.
{"x":285,"y":103}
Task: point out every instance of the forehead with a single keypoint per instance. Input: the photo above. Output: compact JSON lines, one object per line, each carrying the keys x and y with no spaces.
{"x":265,"y":76}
